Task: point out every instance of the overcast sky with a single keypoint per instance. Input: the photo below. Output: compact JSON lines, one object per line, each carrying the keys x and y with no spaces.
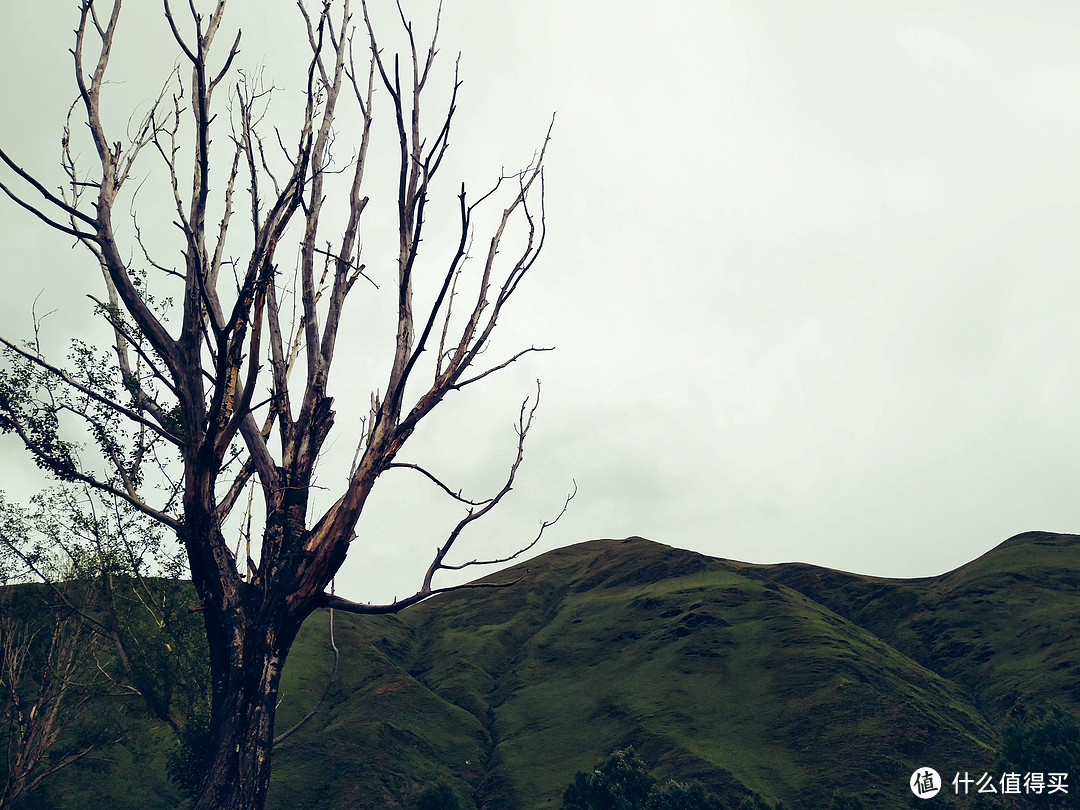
{"x":811,"y":272}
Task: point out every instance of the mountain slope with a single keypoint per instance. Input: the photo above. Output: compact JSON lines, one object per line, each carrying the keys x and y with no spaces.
{"x":785,"y":680}
{"x":1004,"y":627}
{"x":736,"y":681}
{"x":789,"y":681}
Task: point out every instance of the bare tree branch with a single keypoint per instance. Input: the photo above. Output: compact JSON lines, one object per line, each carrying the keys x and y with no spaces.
{"x":461,"y":384}
{"x":360,"y":608}
{"x":44,"y":192}
{"x":455,"y":495}
{"x":524,"y":549}
{"x":80,"y":235}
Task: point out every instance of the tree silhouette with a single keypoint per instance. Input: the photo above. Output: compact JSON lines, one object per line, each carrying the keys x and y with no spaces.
{"x":216,"y":382}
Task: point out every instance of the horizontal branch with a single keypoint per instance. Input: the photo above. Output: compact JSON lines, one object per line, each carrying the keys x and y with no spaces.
{"x":44,"y":192}
{"x":501,"y":366}
{"x":44,"y":217}
{"x":138,"y":503}
{"x":455,"y":495}
{"x":338,"y":603}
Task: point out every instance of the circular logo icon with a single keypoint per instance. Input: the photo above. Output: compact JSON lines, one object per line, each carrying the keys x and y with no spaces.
{"x":925,"y":783}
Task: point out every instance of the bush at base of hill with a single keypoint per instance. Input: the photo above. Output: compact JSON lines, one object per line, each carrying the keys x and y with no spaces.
{"x":623,"y":782}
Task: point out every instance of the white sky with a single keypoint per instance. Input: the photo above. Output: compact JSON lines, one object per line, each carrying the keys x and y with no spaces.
{"x":811,"y":271}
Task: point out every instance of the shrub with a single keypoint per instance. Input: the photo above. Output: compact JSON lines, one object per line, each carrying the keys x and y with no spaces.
{"x":438,"y":797}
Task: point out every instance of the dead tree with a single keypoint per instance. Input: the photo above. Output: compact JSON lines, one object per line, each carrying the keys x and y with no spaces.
{"x":38,"y":700}
{"x":229,"y":387}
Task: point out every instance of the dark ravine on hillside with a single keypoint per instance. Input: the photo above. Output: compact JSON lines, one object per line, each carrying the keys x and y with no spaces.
{"x":789,"y":680}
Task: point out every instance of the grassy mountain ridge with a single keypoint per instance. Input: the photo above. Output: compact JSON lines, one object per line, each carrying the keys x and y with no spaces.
{"x":737,"y":681}
{"x":786,"y":680}
{"x":1003,"y":627}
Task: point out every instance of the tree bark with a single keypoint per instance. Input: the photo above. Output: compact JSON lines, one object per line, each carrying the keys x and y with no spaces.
{"x":242,"y":723}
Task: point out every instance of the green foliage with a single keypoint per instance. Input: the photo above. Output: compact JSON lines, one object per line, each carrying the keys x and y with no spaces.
{"x":623,"y":782}
{"x":13,"y":529}
{"x":679,"y":796}
{"x":46,"y":674}
{"x":843,"y":802}
{"x":1044,"y":739}
{"x":186,"y":762}
{"x":31,"y":401}
{"x":438,"y":797}
{"x":121,"y":578}
{"x":39,"y":404}
{"x":109,"y":569}
{"x":755,"y":802}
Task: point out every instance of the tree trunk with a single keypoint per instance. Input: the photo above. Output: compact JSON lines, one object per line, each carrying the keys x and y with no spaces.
{"x":250,"y":627}
{"x":245,"y":697}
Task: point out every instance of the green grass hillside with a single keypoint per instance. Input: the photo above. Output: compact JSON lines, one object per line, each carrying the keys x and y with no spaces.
{"x":790,"y":681}
{"x":1004,"y":627}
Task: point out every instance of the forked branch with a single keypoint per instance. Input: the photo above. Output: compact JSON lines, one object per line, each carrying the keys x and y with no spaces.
{"x":427,"y":589}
